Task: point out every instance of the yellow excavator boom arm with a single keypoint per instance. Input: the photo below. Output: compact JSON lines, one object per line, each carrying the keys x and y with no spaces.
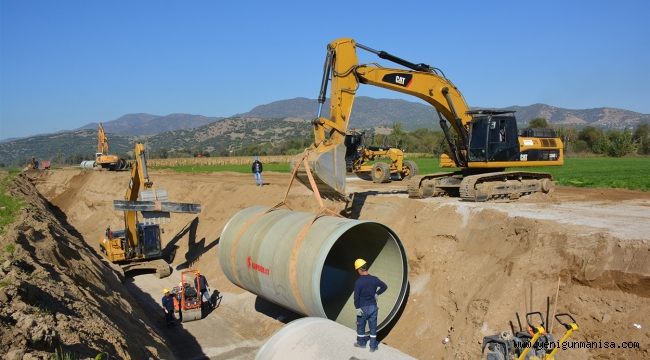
{"x":102,"y":140}
{"x":139,"y":181}
{"x":347,"y":73}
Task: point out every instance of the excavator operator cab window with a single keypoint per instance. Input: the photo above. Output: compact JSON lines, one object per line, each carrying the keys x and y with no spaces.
{"x":493,"y":137}
{"x":150,"y":240}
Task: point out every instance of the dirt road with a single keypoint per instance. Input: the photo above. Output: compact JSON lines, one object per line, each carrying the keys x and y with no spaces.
{"x":470,"y":264}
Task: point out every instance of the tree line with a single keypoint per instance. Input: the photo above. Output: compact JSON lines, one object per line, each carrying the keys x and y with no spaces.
{"x":593,"y":140}
{"x":577,"y":141}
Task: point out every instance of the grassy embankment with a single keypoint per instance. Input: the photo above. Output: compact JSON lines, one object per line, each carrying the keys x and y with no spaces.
{"x":603,"y":172}
{"x":9,"y":206}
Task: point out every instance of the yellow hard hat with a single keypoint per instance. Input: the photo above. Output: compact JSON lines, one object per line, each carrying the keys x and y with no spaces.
{"x":165,"y":291}
{"x":359,"y":263}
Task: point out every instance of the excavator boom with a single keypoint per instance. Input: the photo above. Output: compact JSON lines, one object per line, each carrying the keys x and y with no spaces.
{"x":326,"y":156}
{"x":479,"y":142}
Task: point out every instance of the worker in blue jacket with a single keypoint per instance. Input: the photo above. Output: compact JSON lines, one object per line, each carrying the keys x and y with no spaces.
{"x":366,"y":290}
{"x":168,"y":307}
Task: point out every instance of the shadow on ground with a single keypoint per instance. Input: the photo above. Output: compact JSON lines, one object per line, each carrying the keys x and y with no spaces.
{"x":195,"y":249}
{"x":274,"y":311}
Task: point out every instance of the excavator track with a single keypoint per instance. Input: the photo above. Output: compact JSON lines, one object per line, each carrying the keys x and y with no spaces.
{"x":424,"y":186}
{"x":504,"y":185}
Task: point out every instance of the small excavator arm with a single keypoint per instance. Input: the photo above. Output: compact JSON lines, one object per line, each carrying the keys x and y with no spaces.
{"x":139,"y":181}
{"x":102,"y":140}
{"x":326,"y":156}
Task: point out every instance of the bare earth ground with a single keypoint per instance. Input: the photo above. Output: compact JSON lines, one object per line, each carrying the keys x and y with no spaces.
{"x":57,"y":294}
{"x":470,"y":263}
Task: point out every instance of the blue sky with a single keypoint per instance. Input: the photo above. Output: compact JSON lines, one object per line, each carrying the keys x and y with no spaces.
{"x":67,"y":63}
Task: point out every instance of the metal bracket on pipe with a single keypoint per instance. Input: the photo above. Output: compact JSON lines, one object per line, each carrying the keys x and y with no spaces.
{"x":164,"y":206}
{"x":312,"y":183}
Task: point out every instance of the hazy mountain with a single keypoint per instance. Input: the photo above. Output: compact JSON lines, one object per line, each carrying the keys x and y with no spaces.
{"x":273,"y":124}
{"x":60,"y":146}
{"x":232,"y":134}
{"x":147,"y":124}
{"x":601,"y":117}
{"x":369,"y":112}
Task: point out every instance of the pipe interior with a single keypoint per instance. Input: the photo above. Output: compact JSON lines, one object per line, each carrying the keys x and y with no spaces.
{"x":385,"y":256}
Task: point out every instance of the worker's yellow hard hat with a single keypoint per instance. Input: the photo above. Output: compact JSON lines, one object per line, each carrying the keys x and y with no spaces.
{"x":165,"y":291}
{"x":359,"y":263}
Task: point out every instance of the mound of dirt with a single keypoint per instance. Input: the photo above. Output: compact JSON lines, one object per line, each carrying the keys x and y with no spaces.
{"x":57,"y":295}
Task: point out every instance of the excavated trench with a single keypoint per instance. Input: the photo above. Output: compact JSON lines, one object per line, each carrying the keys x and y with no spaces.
{"x":469,"y":270}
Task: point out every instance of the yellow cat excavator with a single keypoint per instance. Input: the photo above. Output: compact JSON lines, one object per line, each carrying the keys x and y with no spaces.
{"x":482,"y":145}
{"x":102,"y":158}
{"x":138,"y":246}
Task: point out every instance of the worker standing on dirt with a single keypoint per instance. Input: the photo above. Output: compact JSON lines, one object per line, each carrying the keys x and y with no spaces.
{"x":168,"y":306}
{"x":202,"y":287}
{"x":257,"y":171}
{"x":366,"y":290}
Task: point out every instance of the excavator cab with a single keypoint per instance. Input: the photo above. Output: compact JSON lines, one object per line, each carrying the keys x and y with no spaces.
{"x":150,"y":240}
{"x":353,"y":149}
{"x":493,"y":136}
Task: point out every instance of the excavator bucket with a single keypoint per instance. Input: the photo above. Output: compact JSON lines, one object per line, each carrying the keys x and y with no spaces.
{"x":328,"y":170}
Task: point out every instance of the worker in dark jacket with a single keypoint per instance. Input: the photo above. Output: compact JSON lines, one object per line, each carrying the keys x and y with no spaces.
{"x":257,"y":171}
{"x":168,"y":307}
{"x":366,"y":290}
{"x":203,"y":288}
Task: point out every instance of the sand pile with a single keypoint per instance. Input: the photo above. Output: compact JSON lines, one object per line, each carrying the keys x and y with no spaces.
{"x":56,"y":294}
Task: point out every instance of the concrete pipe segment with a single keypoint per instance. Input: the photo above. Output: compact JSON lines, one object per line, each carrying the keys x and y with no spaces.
{"x":316,"y":338}
{"x":87,"y":164}
{"x":307,"y":267}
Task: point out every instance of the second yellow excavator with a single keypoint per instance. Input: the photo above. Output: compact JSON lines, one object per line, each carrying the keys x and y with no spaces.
{"x":138,"y":246}
{"x":102,"y":158}
{"x":482,"y":145}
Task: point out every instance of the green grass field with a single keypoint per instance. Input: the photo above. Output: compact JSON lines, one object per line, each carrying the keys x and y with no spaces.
{"x":626,"y":173}
{"x":9,"y":206}
{"x":246,"y":168}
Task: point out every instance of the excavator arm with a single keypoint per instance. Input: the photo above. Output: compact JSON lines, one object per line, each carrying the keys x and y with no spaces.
{"x":343,"y":71}
{"x":102,"y":141}
{"x":139,"y":181}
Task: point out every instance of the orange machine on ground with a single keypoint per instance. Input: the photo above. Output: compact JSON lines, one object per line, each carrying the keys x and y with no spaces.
{"x":187,"y":300}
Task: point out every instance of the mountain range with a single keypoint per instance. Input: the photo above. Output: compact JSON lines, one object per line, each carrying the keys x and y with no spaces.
{"x":147,"y":124}
{"x":271,"y":123}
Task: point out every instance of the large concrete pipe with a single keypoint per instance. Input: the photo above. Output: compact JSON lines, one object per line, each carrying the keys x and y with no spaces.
{"x":316,"y":338}
{"x":307,"y":267}
{"x":87,"y":164}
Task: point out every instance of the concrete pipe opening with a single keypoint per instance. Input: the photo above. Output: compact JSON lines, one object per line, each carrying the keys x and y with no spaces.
{"x":309,"y":269}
